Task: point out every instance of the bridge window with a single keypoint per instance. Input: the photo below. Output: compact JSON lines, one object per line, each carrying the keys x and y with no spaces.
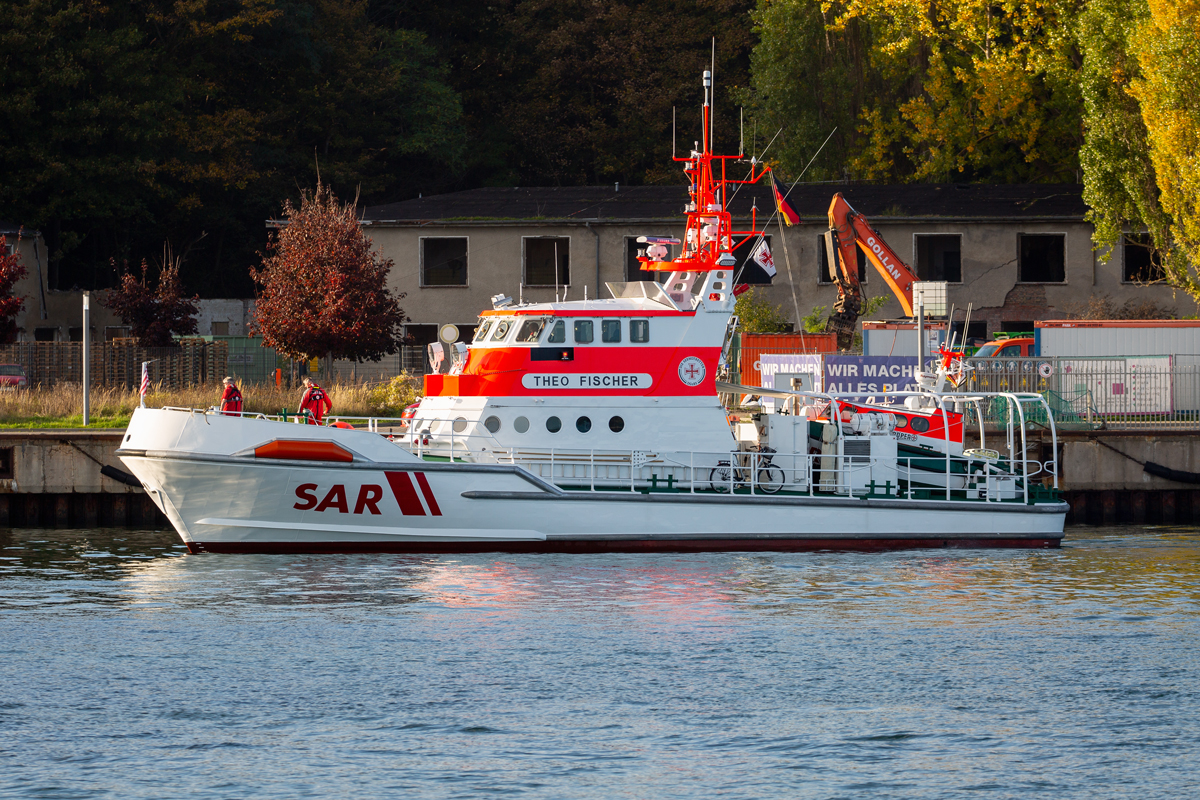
{"x":558,"y":333}
{"x":482,"y":331}
{"x":583,"y":331}
{"x":444,"y":261}
{"x":610,"y":330}
{"x":541,"y":255}
{"x":639,"y":331}
{"x":939,"y":258}
{"x":502,"y":328}
{"x":531,"y":329}
{"x":1043,"y":258}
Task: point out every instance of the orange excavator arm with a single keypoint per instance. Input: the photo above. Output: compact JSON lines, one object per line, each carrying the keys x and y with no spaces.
{"x":849,"y":228}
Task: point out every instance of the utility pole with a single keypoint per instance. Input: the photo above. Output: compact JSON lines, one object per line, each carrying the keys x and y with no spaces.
{"x":87,"y":342}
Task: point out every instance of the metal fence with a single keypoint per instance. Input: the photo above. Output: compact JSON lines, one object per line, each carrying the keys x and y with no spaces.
{"x":1119,"y":393}
{"x":118,"y":364}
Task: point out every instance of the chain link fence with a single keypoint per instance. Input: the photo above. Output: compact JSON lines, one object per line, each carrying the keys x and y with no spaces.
{"x":119,"y":363}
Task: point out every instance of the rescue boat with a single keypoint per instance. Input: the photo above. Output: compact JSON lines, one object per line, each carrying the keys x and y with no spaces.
{"x":595,"y":425}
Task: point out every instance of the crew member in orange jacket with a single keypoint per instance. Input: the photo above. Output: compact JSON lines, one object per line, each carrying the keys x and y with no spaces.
{"x":315,"y":401}
{"x":231,"y":400}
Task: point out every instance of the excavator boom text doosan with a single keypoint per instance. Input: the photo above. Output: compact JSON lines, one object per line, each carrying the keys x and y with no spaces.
{"x":848,"y":228}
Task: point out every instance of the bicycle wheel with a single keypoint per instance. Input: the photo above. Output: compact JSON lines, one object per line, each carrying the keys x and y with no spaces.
{"x":718,"y":478}
{"x":770,"y":479}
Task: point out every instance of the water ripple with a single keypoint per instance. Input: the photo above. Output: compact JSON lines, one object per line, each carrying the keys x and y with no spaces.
{"x":130,"y":669}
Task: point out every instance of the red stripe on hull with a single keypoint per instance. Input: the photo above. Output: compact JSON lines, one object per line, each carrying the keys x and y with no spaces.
{"x":406,"y":495}
{"x":637,"y":546}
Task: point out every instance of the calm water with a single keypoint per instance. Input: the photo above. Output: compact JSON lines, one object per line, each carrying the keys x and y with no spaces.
{"x":129,"y":669}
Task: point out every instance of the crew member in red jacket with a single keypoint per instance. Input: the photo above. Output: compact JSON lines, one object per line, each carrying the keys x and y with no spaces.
{"x":315,"y":401}
{"x":231,"y":400}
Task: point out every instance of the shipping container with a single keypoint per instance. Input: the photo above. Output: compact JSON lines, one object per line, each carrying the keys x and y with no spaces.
{"x":900,"y":338}
{"x":1087,"y":338}
{"x":755,"y":345}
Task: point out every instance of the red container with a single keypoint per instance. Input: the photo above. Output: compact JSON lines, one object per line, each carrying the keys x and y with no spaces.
{"x":755,"y":345}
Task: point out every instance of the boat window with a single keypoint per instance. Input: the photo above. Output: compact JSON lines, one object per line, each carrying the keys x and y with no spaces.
{"x":919,"y":424}
{"x":460,"y":424}
{"x":616,"y":424}
{"x":492,"y":424}
{"x":639,"y":330}
{"x":554,"y":424}
{"x":501,"y":330}
{"x":521,"y":424}
{"x":531,"y":329}
{"x":482,"y":331}
{"x":610,"y":330}
{"x":558,"y":333}
{"x":583,"y":331}
{"x":583,"y":424}
{"x":901,"y":421}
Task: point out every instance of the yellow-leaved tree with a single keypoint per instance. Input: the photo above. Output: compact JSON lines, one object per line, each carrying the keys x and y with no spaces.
{"x":1168,"y":92}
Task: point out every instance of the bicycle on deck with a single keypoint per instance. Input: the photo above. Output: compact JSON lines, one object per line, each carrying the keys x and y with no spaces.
{"x":755,"y":463}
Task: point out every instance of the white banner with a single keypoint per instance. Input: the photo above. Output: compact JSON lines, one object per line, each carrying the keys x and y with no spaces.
{"x":586,"y":380}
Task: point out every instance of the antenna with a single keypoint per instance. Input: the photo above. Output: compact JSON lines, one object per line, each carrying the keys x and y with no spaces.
{"x":712,"y":105}
{"x":672,"y":132}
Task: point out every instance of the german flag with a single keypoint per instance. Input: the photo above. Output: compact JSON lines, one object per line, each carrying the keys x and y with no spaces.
{"x":781,"y":203}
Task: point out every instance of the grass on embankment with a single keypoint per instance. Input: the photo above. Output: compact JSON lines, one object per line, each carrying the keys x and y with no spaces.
{"x":61,"y":405}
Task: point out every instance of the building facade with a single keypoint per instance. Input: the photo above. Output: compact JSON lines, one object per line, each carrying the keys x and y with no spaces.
{"x":1017,"y":253}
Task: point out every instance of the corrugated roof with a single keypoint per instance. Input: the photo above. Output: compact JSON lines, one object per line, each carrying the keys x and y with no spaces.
{"x":921,"y":200}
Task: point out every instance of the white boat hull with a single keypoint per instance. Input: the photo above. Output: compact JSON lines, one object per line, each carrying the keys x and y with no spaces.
{"x":231,"y":502}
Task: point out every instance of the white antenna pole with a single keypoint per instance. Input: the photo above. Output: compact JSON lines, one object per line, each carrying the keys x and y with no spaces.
{"x":672,"y":132}
{"x":556,"y":270}
{"x":712,"y":110}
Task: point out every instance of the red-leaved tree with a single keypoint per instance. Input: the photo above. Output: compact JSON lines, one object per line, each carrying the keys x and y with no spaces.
{"x":154,"y":315}
{"x":11,"y":271}
{"x":322,"y":289}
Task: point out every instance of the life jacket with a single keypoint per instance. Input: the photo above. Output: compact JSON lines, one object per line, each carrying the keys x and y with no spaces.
{"x":232,"y":403}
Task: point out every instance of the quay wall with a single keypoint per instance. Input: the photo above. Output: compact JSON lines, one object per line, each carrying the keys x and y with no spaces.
{"x":51,"y":478}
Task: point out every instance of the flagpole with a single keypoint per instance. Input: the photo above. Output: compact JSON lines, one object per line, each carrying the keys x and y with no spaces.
{"x":787,"y":259}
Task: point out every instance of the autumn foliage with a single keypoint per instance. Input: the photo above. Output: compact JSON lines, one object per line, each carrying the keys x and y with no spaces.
{"x":154,"y":315}
{"x":322,"y":289}
{"x":11,"y":271}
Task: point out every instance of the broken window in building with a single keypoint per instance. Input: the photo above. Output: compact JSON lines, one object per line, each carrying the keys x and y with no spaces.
{"x":1140,"y":261}
{"x":542,"y":254}
{"x":1042,"y":258}
{"x":939,"y":257}
{"x":444,"y":261}
{"x":824,"y":276}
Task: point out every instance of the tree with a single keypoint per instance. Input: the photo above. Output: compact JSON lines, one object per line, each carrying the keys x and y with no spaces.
{"x":154,"y":315}
{"x":323,"y":290}
{"x":11,"y":271}
{"x":756,"y":314}
{"x":921,"y":91}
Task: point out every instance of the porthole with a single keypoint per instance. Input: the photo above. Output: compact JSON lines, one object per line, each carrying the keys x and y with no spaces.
{"x":521,"y":424}
{"x":583,"y":424}
{"x":460,"y":424}
{"x":919,"y":424}
{"x":554,"y":424}
{"x":901,"y":421}
{"x":492,"y":424}
{"x":616,"y":424}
